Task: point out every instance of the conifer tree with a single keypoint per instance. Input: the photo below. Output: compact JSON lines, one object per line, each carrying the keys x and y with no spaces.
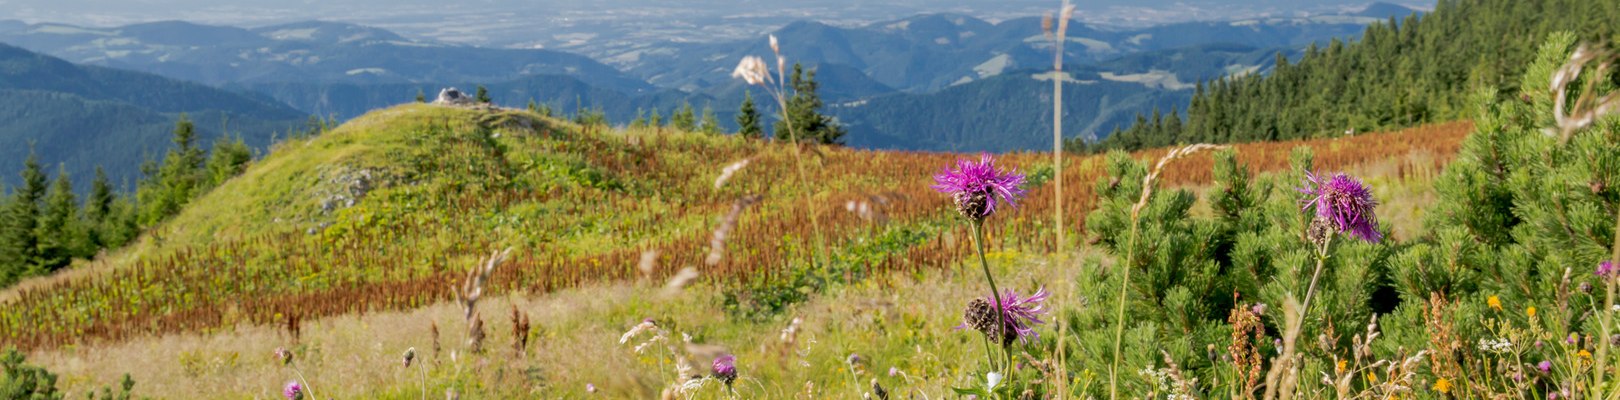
{"x":228,"y":159}
{"x":711,"y":123}
{"x":61,"y":235}
{"x":177,"y":181}
{"x":421,"y":97}
{"x":655,"y":120}
{"x":684,"y":119}
{"x":483,"y":95}
{"x":98,"y":207}
{"x":641,"y":119}
{"x":804,"y":113}
{"x":748,"y":119}
{"x":20,"y":238}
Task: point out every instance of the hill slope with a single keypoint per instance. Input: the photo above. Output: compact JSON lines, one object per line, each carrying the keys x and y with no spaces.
{"x":387,"y":210}
{"x":84,"y":116}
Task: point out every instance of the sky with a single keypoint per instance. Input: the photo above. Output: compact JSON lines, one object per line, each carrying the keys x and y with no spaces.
{"x":250,"y":12}
{"x":601,"y":27}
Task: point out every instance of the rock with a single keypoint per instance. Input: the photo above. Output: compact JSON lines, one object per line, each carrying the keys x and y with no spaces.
{"x":452,"y":96}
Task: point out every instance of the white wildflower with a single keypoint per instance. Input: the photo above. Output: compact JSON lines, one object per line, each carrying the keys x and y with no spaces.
{"x":1495,"y":346}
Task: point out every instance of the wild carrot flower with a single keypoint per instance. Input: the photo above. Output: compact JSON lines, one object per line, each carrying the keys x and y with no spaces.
{"x":1018,"y":316}
{"x":293,"y":391}
{"x":725,"y":368}
{"x":976,"y":187}
{"x":1344,"y":202}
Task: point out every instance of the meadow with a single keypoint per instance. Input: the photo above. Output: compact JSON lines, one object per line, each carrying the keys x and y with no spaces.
{"x":425,"y":250}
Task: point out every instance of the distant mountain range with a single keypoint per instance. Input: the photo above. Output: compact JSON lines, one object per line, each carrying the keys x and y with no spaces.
{"x":85,"y":116}
{"x":323,"y":52}
{"x":930,"y":52}
{"x":929,"y":82}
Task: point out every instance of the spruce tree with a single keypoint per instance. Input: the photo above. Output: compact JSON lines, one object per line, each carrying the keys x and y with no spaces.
{"x":641,"y":119}
{"x":483,"y":95}
{"x":171,"y":186}
{"x":61,"y":236}
{"x":228,"y":159}
{"x":711,"y":123}
{"x":21,"y":240}
{"x":804,"y":113}
{"x":655,"y":120}
{"x":98,"y":207}
{"x":421,"y":97}
{"x":684,"y":119}
{"x":748,"y":119}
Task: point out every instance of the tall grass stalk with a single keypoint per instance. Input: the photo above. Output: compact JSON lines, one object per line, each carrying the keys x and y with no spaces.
{"x":1607,"y":318}
{"x":1130,"y":253}
{"x":1058,"y":37}
{"x":753,"y":71}
{"x":1119,"y":312}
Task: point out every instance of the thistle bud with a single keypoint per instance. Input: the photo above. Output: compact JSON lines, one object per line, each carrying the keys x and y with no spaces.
{"x":284,"y":356}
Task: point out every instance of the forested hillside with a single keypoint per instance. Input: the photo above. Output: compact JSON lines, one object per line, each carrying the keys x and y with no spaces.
{"x":1401,"y":73}
{"x":80,"y":117}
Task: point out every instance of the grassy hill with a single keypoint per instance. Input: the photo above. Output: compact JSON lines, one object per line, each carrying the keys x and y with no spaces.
{"x":386,"y":211}
{"x":280,"y":252}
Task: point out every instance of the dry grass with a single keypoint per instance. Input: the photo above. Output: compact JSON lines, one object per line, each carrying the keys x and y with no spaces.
{"x":898,"y":321}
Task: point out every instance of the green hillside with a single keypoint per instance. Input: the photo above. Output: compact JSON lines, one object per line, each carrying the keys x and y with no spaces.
{"x":1399,"y":74}
{"x":386,"y":210}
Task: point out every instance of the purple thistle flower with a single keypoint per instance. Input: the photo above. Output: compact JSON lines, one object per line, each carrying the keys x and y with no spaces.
{"x":1545,"y":366}
{"x":1018,"y":316}
{"x":975,"y":186}
{"x":1605,"y":269}
{"x":725,"y":368}
{"x":1344,"y":202}
{"x":293,"y":391}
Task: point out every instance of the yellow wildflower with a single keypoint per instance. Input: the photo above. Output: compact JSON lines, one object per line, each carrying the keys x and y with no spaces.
{"x":1531,"y":311}
{"x":1341,"y":366}
{"x":1443,"y":385}
{"x":1372,"y":377}
{"x":1585,"y":354}
{"x":1494,"y":302}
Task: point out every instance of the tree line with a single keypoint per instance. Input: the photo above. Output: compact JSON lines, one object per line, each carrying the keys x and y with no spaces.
{"x":1400,"y":73}
{"x":44,"y":226}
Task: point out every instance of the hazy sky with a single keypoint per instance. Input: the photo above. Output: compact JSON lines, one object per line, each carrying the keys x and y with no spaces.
{"x":115,"y":12}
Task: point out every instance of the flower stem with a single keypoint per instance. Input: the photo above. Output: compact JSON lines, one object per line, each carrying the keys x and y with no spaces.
{"x":306,"y":387}
{"x":422,"y":370}
{"x":1321,"y":258}
{"x":995,"y":294}
{"x":1608,"y":316}
{"x":1119,"y":312}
